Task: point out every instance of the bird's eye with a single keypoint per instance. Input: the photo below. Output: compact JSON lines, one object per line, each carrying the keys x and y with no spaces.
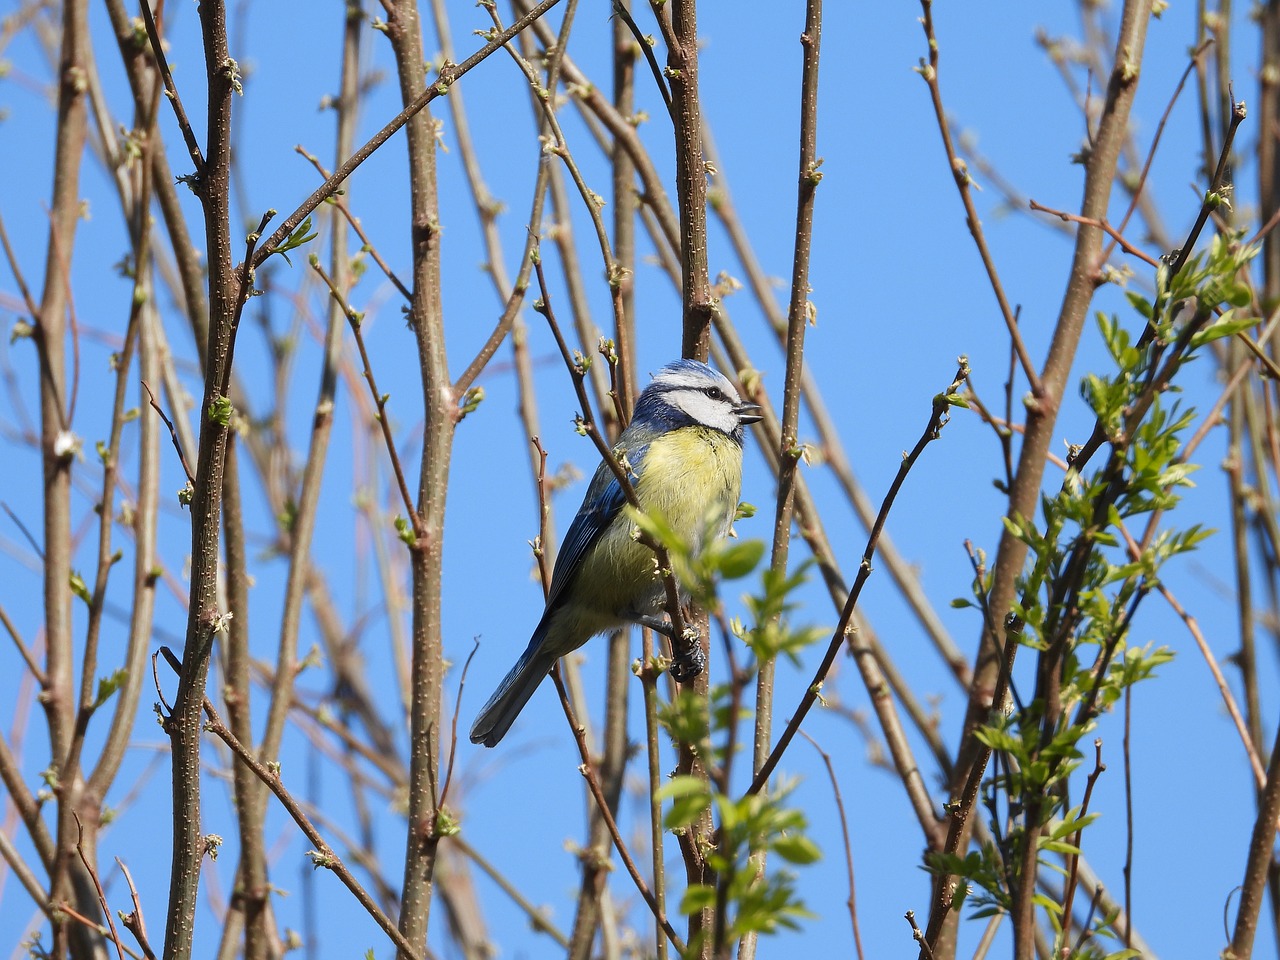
{"x":715,"y":393}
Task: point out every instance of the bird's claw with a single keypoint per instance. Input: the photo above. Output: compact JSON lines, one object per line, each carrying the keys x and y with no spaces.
{"x":688,"y":663}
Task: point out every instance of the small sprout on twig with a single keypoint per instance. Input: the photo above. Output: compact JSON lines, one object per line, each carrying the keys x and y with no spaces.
{"x":212,"y":842}
{"x":313,"y":660}
{"x":471,"y":401}
{"x":404,"y":530}
{"x":296,"y":239}
{"x":231,"y":70}
{"x":22,"y":330}
{"x":108,"y":686}
{"x":66,"y":445}
{"x":78,"y":586}
{"x":220,"y":410}
{"x":221,"y":622}
{"x":186,"y":494}
{"x":319,"y":859}
{"x":447,"y":825}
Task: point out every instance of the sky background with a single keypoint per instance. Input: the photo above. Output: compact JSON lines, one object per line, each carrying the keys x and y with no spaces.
{"x":900,"y":294}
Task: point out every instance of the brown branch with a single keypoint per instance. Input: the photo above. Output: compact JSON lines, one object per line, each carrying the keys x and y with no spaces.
{"x":323,"y":855}
{"x":797,"y":321}
{"x":1112,"y":232}
{"x":446,"y":79}
{"x":1137,"y":194}
{"x":1024,"y":494}
{"x":602,"y":805}
{"x":173,"y":434}
{"x":28,"y":657}
{"x":354,"y":319}
{"x":97,"y":886}
{"x":171,"y":91}
{"x":344,"y":208}
{"x":960,"y":811}
{"x":134,"y":921}
{"x":938,"y":418}
{"x":1212,"y":198}
{"x":1258,"y":864}
{"x":963,"y":181}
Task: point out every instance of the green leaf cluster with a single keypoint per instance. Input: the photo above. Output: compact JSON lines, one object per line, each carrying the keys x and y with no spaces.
{"x":755,"y":901}
{"x":1095,"y":552}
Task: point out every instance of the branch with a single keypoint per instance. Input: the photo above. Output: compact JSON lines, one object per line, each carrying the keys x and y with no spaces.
{"x":447,"y":78}
{"x":960,"y":172}
{"x":941,"y":414}
{"x":323,"y":855}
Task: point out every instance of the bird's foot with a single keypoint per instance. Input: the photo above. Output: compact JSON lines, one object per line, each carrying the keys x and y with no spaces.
{"x":688,"y":659}
{"x":656,"y":624}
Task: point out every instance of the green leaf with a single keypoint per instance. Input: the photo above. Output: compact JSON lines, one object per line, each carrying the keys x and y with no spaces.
{"x":1228,"y":326}
{"x":296,"y":239}
{"x":797,"y":849}
{"x":696,"y":898}
{"x":738,"y":560}
{"x":108,"y":686}
{"x":690,"y":799}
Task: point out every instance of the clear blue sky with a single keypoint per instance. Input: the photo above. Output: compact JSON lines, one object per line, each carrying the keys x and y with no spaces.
{"x":900,"y":294}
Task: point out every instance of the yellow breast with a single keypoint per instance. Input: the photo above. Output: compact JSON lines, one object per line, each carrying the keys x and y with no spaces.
{"x":692,"y":478}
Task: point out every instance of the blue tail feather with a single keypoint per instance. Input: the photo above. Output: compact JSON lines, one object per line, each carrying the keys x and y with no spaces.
{"x":514,"y":691}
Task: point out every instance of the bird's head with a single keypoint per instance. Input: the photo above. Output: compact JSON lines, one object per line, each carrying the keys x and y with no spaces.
{"x":689,"y":393}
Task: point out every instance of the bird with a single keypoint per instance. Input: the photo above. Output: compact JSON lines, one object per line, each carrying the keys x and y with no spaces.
{"x":683,"y":451}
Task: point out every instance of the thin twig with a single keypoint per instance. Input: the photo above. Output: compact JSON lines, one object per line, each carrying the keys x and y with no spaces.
{"x":646,"y":46}
{"x":1196,"y":54}
{"x":171,"y":90}
{"x":97,"y":886}
{"x":23,"y":528}
{"x":345,"y":209}
{"x":354,"y":318}
{"x":446,"y":79}
{"x":960,"y":173}
{"x":938,"y":419}
{"x":134,"y":922}
{"x":918,"y":936}
{"x":1112,"y":232}
{"x":453,"y":735}
{"x":587,"y":770}
{"x":848,"y":847}
{"x":173,"y":433}
{"x":323,"y":855}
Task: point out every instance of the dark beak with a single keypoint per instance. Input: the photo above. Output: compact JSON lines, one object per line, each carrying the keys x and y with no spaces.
{"x":748,"y":413}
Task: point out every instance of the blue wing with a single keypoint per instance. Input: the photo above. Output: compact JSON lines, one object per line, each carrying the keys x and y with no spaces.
{"x":601,"y":506}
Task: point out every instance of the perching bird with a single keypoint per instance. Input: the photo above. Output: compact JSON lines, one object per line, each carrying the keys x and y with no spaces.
{"x":684,"y":448}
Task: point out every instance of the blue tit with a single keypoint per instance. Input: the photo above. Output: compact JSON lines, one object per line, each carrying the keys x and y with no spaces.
{"x":684,"y":451}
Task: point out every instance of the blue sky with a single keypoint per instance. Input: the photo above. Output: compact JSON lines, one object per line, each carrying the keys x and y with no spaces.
{"x":900,"y":293}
